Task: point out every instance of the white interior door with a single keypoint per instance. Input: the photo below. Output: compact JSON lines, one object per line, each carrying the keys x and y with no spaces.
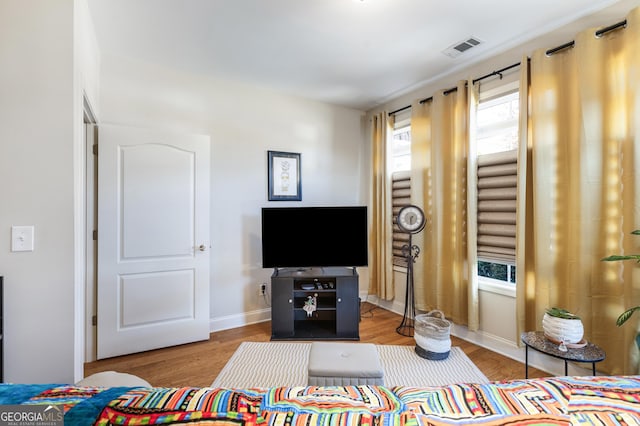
{"x":153,"y":240}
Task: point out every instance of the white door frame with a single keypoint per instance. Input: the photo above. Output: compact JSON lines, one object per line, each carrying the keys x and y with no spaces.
{"x":91,"y":200}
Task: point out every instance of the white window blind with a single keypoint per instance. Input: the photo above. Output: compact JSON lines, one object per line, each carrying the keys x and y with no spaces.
{"x":497,"y":181}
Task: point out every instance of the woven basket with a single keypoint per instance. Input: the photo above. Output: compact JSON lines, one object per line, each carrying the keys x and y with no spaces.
{"x":432,"y":333}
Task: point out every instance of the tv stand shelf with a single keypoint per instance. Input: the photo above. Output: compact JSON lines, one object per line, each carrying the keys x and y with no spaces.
{"x":337,"y":312}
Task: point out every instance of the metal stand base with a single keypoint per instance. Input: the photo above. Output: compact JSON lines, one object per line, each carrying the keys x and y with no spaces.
{"x":406,"y":327}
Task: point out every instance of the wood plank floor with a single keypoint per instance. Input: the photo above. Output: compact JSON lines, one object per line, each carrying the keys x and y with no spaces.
{"x":198,"y":364}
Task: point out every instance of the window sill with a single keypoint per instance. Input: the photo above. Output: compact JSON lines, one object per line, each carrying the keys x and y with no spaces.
{"x":496,"y":287}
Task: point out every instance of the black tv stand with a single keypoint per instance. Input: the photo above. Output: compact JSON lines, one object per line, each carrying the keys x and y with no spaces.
{"x":337,"y":312}
{"x":310,"y":272}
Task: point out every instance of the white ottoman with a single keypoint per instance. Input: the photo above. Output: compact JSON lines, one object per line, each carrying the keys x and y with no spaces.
{"x":113,"y":378}
{"x":344,"y":364}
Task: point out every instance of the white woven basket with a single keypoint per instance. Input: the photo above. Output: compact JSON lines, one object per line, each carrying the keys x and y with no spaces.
{"x":562,"y":329}
{"x":432,"y":333}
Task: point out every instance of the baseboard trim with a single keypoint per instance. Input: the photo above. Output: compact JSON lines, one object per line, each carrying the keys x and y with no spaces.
{"x":390,"y":305}
{"x":239,"y":320}
{"x":511,"y":350}
{"x":497,"y":344}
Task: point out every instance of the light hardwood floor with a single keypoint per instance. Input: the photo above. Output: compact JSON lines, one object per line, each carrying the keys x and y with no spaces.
{"x":198,"y":364}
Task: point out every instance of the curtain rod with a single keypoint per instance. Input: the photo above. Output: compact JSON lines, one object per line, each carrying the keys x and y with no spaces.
{"x":491,"y":74}
{"x":568,"y":45}
{"x":599,"y":33}
{"x":499,"y":72}
{"x":399,"y":110}
{"x":453,"y":89}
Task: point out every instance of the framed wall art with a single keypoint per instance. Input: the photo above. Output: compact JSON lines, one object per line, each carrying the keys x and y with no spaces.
{"x":284,"y":176}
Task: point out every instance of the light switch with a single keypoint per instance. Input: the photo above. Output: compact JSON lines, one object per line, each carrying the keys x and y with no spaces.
{"x":22,"y":238}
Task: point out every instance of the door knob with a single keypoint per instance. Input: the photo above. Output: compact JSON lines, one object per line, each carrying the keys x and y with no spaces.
{"x":202,"y":247}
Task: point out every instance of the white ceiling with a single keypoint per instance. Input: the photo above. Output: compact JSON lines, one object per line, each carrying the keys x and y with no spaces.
{"x":349,"y":52}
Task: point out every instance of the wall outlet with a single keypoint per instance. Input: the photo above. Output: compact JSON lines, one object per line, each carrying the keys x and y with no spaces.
{"x":262,"y":290}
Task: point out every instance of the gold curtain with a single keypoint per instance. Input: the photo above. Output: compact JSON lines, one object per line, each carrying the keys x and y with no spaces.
{"x":473,"y":308}
{"x":439,"y":135}
{"x":584,"y":120}
{"x":525,"y":248}
{"x":380,"y":236}
{"x":421,"y":154}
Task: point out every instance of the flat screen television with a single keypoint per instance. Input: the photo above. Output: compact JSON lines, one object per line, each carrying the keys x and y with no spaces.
{"x":307,"y":237}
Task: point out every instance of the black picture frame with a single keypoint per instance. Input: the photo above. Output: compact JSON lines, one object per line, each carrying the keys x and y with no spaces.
{"x":285,"y":183}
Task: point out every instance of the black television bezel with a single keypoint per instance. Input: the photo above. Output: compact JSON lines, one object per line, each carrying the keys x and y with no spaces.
{"x":360,"y":259}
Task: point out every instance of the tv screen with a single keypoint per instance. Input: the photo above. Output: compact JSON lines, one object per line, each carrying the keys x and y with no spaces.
{"x":295,"y":237}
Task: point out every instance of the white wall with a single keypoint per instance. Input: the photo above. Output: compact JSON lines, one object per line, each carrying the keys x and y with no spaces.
{"x":37,"y":175}
{"x":243,"y":122}
{"x":48,"y":59}
{"x":87,"y":55}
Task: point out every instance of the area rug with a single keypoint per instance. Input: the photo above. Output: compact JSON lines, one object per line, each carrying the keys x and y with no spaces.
{"x":270,"y":364}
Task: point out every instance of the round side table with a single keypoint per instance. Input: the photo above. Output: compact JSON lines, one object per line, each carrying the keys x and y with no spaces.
{"x":536,"y":340}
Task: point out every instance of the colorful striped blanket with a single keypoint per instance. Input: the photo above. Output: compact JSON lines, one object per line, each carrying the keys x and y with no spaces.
{"x":551,"y":401}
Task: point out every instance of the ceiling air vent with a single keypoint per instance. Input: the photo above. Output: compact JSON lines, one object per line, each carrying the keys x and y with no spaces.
{"x":457,"y":49}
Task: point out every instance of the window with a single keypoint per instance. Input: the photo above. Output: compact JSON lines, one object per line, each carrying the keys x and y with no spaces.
{"x":401,"y":148}
{"x":497,"y":124}
{"x":497,"y":271}
{"x":497,"y":143}
{"x":400,"y":167}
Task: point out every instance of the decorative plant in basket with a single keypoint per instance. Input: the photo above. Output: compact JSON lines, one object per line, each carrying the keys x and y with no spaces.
{"x":626,"y":314}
